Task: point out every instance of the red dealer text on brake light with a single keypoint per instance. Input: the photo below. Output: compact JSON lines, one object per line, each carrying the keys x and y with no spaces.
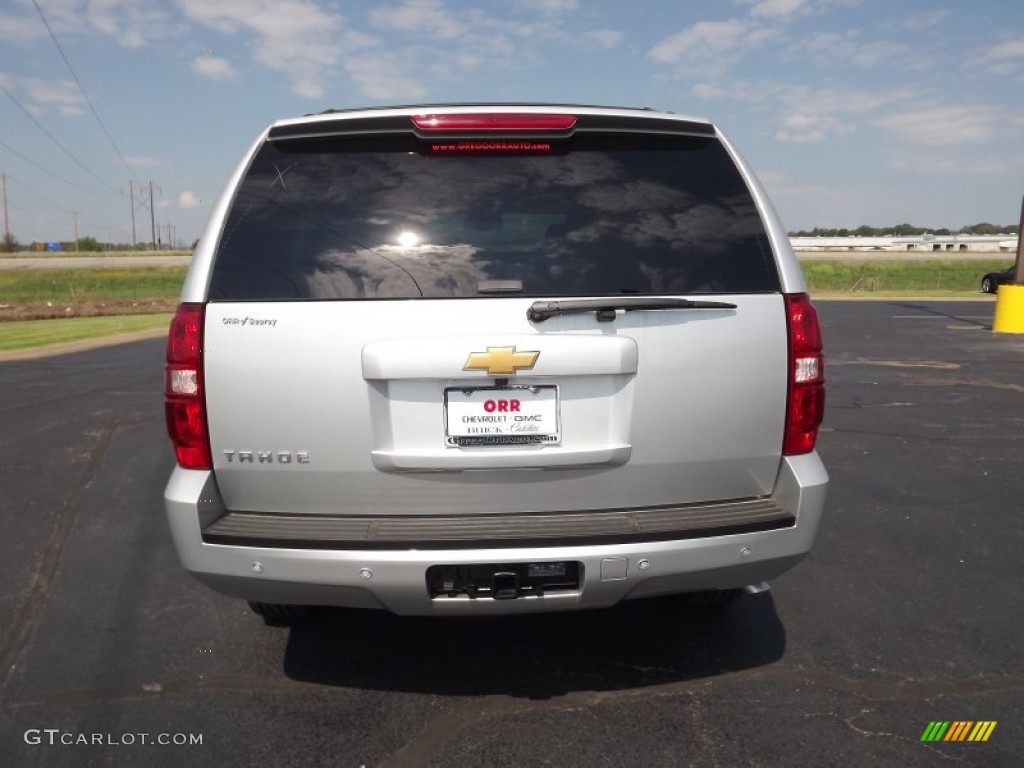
{"x":471,"y":147}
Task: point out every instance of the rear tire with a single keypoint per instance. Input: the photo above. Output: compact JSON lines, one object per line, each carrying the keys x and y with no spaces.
{"x":712,"y":598}
{"x":987,"y":285}
{"x":276,"y":614}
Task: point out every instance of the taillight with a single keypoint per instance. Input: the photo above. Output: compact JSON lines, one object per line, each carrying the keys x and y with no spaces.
{"x":494,"y":121}
{"x":183,"y":388}
{"x":805,"y":405}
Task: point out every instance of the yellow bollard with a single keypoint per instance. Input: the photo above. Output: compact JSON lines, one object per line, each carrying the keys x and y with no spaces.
{"x":1009,"y":317}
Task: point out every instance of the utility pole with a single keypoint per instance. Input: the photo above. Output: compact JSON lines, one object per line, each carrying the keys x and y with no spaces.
{"x":169,"y":245}
{"x":74,"y":214}
{"x":131,"y":196}
{"x":7,"y":229}
{"x":152,"y":216}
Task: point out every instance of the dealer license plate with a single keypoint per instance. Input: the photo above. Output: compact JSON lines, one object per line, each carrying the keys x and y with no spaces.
{"x":501,"y":416}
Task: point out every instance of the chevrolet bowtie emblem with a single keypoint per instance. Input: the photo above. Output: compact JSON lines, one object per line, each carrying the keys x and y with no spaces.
{"x":500,"y":361}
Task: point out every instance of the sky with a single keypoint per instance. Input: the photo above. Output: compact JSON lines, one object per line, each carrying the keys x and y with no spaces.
{"x":850,"y":111}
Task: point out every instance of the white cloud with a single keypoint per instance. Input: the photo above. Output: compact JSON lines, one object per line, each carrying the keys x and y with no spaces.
{"x":710,"y":48}
{"x":780,"y":186}
{"x":912,"y":123}
{"x":295,"y":37}
{"x":830,"y":48}
{"x":770,"y":178}
{"x":794,"y":97}
{"x":925,"y":20}
{"x":432,"y":44}
{"x":1011,"y":49}
{"x":468,"y":62}
{"x":423,"y":17}
{"x":947,"y":163}
{"x":554,"y":6}
{"x":828,"y":41}
{"x":19,"y":29}
{"x":810,"y":114}
{"x":696,"y":41}
{"x":709,"y":91}
{"x":214,"y":68}
{"x":805,"y":128}
{"x":42,"y":97}
{"x":713,"y":47}
{"x":945,"y":125}
{"x":133,"y":23}
{"x":605,"y":39}
{"x":383,"y":76}
{"x":888,"y":53}
{"x":1006,"y":58}
{"x":776,"y":8}
{"x":311,"y":44}
{"x":187,"y":199}
{"x":784,"y":10}
{"x":144,"y":161}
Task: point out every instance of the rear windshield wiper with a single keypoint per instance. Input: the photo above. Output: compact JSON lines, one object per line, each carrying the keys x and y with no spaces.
{"x":540,"y":311}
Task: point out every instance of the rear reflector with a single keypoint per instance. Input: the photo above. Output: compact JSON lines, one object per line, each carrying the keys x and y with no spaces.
{"x":183,"y":394}
{"x":806,"y":399}
{"x":182,"y":382}
{"x":494,"y":121}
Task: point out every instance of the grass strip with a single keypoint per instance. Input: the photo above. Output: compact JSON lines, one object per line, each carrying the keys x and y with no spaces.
{"x":74,"y":285}
{"x":24,"y":334}
{"x":932,"y":277}
{"x":925,"y":277}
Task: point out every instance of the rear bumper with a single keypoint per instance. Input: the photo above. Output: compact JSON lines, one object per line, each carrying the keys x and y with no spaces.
{"x":395,"y":579}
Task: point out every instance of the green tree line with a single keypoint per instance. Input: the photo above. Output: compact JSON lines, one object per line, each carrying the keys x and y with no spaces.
{"x":10,"y":244}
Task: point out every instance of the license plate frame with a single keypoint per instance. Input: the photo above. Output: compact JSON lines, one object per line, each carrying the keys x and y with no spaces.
{"x":518,"y":415}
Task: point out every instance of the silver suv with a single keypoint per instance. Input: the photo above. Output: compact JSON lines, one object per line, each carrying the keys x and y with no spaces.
{"x":477,"y":359}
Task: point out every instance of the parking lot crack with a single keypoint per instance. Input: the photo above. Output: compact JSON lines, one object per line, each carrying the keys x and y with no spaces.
{"x":433,"y":738}
{"x":44,"y":575}
{"x":437,"y":734}
{"x":852,"y":725}
{"x":83,"y":697}
{"x":941,"y":381}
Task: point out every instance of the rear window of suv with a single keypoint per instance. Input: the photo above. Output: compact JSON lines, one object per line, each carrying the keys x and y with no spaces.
{"x":397,"y":217}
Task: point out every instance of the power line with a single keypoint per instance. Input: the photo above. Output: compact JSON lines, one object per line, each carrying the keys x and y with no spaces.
{"x":39,"y":198}
{"x":30,"y":161}
{"x":82,"y":89}
{"x":51,"y":137}
{"x":48,"y":221}
{"x":35,"y":215}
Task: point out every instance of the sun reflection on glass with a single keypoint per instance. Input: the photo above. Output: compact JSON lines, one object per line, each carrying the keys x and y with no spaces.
{"x":408,"y":239}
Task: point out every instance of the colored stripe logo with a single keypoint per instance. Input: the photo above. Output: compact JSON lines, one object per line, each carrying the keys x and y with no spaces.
{"x":958,"y":730}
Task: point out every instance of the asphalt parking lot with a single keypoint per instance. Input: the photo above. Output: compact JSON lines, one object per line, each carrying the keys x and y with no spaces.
{"x":908,"y":611}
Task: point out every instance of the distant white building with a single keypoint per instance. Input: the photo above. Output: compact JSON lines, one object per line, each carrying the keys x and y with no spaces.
{"x":923,"y":243}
